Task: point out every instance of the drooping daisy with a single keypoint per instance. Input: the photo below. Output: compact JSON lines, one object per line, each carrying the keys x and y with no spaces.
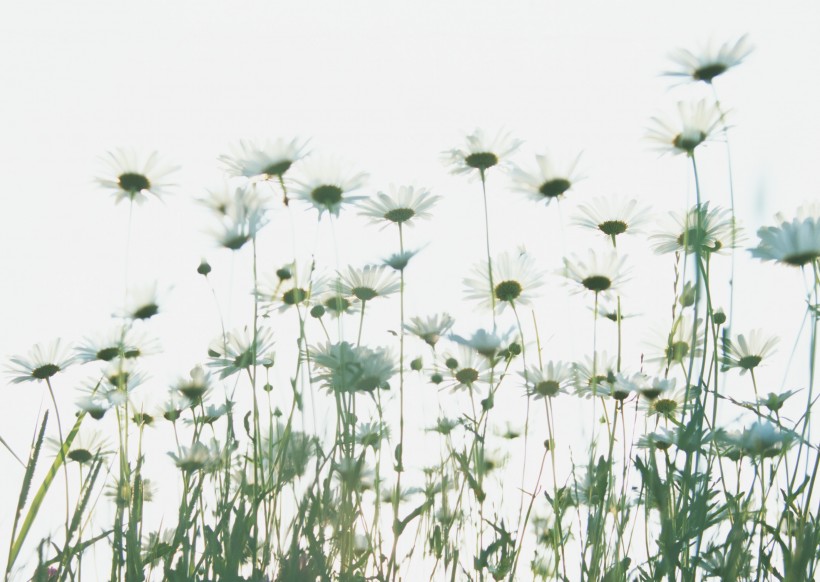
{"x":701,"y":230}
{"x":241,"y":212}
{"x":795,"y":243}
{"x":266,"y":160}
{"x":656,"y":388}
{"x":481,"y":152}
{"x":597,"y":272}
{"x":486,"y":343}
{"x":612,"y":217}
{"x":466,"y":369}
{"x":710,"y":61}
{"x":430,"y":329}
{"x":548,"y":381}
{"x":748,"y":351}
{"x":239,"y":350}
{"x":342,"y":367}
{"x":334,"y":301}
{"x":325,"y":185}
{"x":369,"y":282}
{"x":550,"y":181}
{"x":135,"y":177}
{"x":515,"y":281}
{"x":675,"y":346}
{"x":402,"y":206}
{"x":694,"y":125}
{"x":41,"y":363}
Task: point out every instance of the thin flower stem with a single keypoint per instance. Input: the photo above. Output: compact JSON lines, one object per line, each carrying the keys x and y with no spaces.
{"x":62,"y":453}
{"x":487,"y":240}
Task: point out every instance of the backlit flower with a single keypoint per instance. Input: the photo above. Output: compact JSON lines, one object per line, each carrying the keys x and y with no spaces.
{"x":134,"y":177}
{"x":41,"y":363}
{"x":748,"y":351}
{"x":239,"y":350}
{"x":693,"y":126}
{"x":701,"y":230}
{"x":466,"y":369}
{"x":597,"y":272}
{"x":403,"y":206}
{"x":710,"y":61}
{"x":481,"y":152}
{"x":369,"y":282}
{"x":326,"y":185}
{"x":515,"y":281}
{"x":266,"y":160}
{"x":431,"y":328}
{"x":795,"y":243}
{"x":548,"y":381}
{"x":342,"y":367}
{"x":241,"y":212}
{"x":612,"y":217}
{"x":675,"y":346}
{"x":549,"y":181}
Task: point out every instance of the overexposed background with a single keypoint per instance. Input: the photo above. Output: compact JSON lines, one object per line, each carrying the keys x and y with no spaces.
{"x":386,"y":86}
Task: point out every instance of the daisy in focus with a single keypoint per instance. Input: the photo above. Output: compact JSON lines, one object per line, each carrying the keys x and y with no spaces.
{"x":369,"y":282}
{"x":597,"y":272}
{"x":701,"y":230}
{"x":325,"y":185}
{"x":748,"y":351}
{"x":133,"y":177}
{"x":41,"y":363}
{"x":694,"y":124}
{"x":481,"y":152}
{"x":402,"y":206}
{"x":612,"y":217}
{"x":515,"y":281}
{"x":795,"y":243}
{"x":430,"y":329}
{"x":710,"y":61}
{"x":549,"y":181}
{"x":547,"y":381}
{"x":466,"y":369}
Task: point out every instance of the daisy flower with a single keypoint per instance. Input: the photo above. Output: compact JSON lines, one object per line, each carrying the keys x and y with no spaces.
{"x":612,"y":217}
{"x":41,"y":363}
{"x":548,"y":381}
{"x":242,"y":212}
{"x":515,"y":280}
{"x":795,"y":243}
{"x":143,"y":303}
{"x":264,"y":161}
{"x":196,"y":386}
{"x":117,"y":342}
{"x":486,"y":343}
{"x":291,"y":286}
{"x":466,"y":369}
{"x":597,"y":272}
{"x":675,"y":346}
{"x":430,"y":329}
{"x":656,"y":388}
{"x":199,"y":457}
{"x":763,"y":439}
{"x":748,"y":351}
{"x":95,"y":404}
{"x":134,"y":177}
{"x":369,"y":282}
{"x":403,"y":205}
{"x":85,"y":446}
{"x":239,"y":350}
{"x":399,"y":261}
{"x":549,"y":181}
{"x":598,"y":372}
{"x":333,"y":301}
{"x":710,"y":61}
{"x":326,"y":185}
{"x":694,"y":125}
{"x":342,"y":367}
{"x":701,"y":230}
{"x":668,"y":405}
{"x":481,"y":152}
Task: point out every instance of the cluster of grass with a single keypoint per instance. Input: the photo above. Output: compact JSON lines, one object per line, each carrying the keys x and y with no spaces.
{"x":680,"y":479}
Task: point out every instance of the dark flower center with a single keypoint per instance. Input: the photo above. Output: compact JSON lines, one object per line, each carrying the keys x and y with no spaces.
{"x":676,"y":351}
{"x":399,"y":215}
{"x":337,"y":304}
{"x":481,"y":160}
{"x":652,"y":393}
{"x":597,"y":283}
{"x":80,"y":455}
{"x":277,"y":168}
{"x":294,"y":296}
{"x":689,"y":140}
{"x":45,"y":371}
{"x":243,"y":360}
{"x":133,"y":183}
{"x":364,"y":293}
{"x":800,"y":259}
{"x":132,"y":353}
{"x":508,"y":290}
{"x":555,"y":187}
{"x":146,"y":311}
{"x":108,"y":354}
{"x":749,"y":362}
{"x":693,"y":238}
{"x":467,"y":376}
{"x":193,"y":392}
{"x":547,"y":388}
{"x":708,"y":72}
{"x":327,"y":195}
{"x":666,"y":406}
{"x":612,"y":227}
{"x":236,"y":242}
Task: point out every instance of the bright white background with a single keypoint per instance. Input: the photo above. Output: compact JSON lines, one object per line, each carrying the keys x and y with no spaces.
{"x":387,"y":86}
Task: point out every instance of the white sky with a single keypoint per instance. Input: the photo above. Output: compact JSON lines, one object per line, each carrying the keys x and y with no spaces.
{"x":387,"y":86}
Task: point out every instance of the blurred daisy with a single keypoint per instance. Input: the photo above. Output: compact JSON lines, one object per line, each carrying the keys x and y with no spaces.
{"x":399,"y":261}
{"x":466,"y":369}
{"x":668,"y":405}
{"x":264,"y":161}
{"x":623,"y":385}
{"x":795,"y":243}
{"x":198,"y":457}
{"x":549,"y":181}
{"x":710,"y":61}
{"x":612,"y":217}
{"x":87,"y":445}
{"x":335,"y":302}
{"x":597,"y":272}
{"x":369,"y":282}
{"x":694,"y":125}
{"x":41,"y":363}
{"x":515,"y":279}
{"x":700,"y":230}
{"x":117,"y":342}
{"x":326,"y":185}
{"x":656,"y":388}
{"x":547,"y":381}
{"x":675,"y":346}
{"x":748,"y":351}
{"x":239,"y":350}
{"x":242,"y":212}
{"x":342,"y":367}
{"x":486,"y":343}
{"x":481,"y":152}
{"x":196,"y":387}
{"x":662,"y":440}
{"x":291,"y":286}
{"x":598,"y":374}
{"x":403,"y":205}
{"x":95,"y":404}
{"x":143,"y":303}
{"x":430,"y":329}
{"x":763,"y":439}
{"x":134,"y":177}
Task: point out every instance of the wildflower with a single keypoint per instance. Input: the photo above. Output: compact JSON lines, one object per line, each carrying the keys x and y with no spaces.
{"x":481,"y":152}
{"x":662,"y":440}
{"x":120,"y":379}
{"x":342,"y":367}
{"x":172,"y":408}
{"x":623,"y":385}
{"x":198,"y":457}
{"x":695,"y":123}
{"x":486,"y":343}
{"x":747,"y":353}
{"x":403,"y":206}
{"x":287,"y":453}
{"x":239,"y":350}
{"x":333,"y":301}
{"x":701,"y":230}
{"x":124,"y":492}
{"x":353,"y":473}
{"x":444,"y":426}
{"x":264,"y":161}
{"x":134,"y":178}
{"x":212,"y":413}
{"x":371,"y":434}
{"x":547,"y":381}
{"x":399,"y":261}
{"x":675,"y":346}
{"x":515,"y":280}
{"x":42,"y":362}
{"x":431,"y":328}
{"x":795,"y":243}
{"x":196,"y":387}
{"x":710,"y":62}
{"x":368,"y":283}
{"x":118,"y":342}
{"x":598,"y":272}
{"x":242,"y":212}
{"x":143,"y":303}
{"x":86,"y":446}
{"x":467,"y":370}
{"x":763,"y":439}
{"x":326,"y":186}
{"x":294,"y":289}
{"x":548,"y":182}
{"x":612,"y":217}
{"x":95,"y":405}
{"x":594,"y":375}
{"x":658,"y":387}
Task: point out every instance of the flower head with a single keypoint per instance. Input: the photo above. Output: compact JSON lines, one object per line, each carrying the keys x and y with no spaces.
{"x":143,"y":303}
{"x":466,"y":369}
{"x":402,"y":206}
{"x":486,"y":343}
{"x":292,"y":285}
{"x":326,"y":185}
{"x":795,"y":243}
{"x":119,"y":342}
{"x":695,"y":124}
{"x":239,"y":350}
{"x":710,"y":61}
{"x":675,"y":346}
{"x":594,"y":375}
{"x":264,"y":161}
{"x":199,"y":457}
{"x":515,"y":281}
{"x":549,"y":181}
{"x":134,"y":177}
{"x":431,"y":328}
{"x":701,"y":230}
{"x":42,"y":362}
{"x":748,"y":351}
{"x":342,"y":367}
{"x":612,"y":217}
{"x":369,"y":282}
{"x":196,"y":386}
{"x":481,"y":152}
{"x":547,"y":381}
{"x":241,"y":212}
{"x":597,"y":272}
